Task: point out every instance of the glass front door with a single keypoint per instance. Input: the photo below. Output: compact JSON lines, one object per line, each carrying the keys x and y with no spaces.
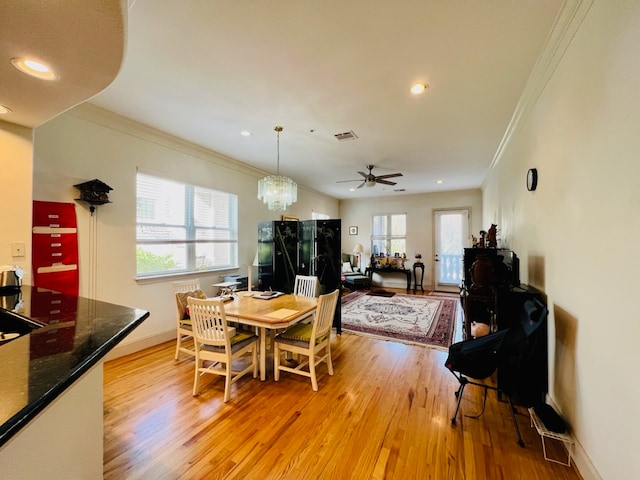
{"x":451,"y":236}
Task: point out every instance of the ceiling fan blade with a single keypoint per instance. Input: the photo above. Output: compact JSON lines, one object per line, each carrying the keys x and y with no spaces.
{"x":363,"y":174}
{"x":386,"y":182}
{"x":345,"y":181}
{"x":361,"y":185}
{"x":390,"y":175}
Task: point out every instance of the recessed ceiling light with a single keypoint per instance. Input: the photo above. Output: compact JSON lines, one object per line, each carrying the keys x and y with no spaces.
{"x":4,"y":110}
{"x":439,"y":182}
{"x":418,"y":88}
{"x":352,"y":189}
{"x":245,"y":133}
{"x":34,"y":68}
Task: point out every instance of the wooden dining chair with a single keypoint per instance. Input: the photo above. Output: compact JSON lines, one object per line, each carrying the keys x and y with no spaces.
{"x":310,"y":340}
{"x":219,"y":344}
{"x":182,"y":290}
{"x":306,"y":286}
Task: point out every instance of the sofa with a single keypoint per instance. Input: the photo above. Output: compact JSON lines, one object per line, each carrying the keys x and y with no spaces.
{"x":352,"y":277}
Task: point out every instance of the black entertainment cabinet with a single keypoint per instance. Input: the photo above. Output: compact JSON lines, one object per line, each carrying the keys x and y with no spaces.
{"x":497,"y":299}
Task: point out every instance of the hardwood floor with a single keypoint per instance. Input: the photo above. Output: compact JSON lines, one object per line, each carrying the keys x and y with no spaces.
{"x":385,"y":413}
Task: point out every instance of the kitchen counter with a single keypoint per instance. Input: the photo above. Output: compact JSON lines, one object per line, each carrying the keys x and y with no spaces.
{"x":38,"y":367}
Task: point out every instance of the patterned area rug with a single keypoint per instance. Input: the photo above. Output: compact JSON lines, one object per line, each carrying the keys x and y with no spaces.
{"x":424,"y":320}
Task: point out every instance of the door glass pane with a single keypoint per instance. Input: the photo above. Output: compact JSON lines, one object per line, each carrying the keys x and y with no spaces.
{"x":451,"y":236}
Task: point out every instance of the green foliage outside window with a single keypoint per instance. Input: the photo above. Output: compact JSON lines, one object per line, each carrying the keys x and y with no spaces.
{"x":148,"y":262}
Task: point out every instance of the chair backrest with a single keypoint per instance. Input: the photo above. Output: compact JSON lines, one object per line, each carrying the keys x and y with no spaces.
{"x":209,"y":322}
{"x":325,"y":312}
{"x":186,"y":286}
{"x":306,"y":286}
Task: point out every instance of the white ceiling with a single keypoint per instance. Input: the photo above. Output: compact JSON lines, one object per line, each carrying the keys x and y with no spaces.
{"x":204,"y":70}
{"x":82,"y":41}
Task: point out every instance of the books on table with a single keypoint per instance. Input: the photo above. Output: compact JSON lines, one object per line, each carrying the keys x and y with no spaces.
{"x":268,"y":295}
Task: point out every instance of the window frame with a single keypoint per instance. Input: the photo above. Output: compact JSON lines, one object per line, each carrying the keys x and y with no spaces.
{"x":189,"y":225}
{"x":388,"y":237}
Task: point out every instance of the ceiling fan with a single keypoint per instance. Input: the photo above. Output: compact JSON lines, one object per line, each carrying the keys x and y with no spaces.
{"x":369,"y":179}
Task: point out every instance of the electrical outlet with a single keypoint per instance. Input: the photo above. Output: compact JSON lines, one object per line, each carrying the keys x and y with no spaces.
{"x":17,"y":250}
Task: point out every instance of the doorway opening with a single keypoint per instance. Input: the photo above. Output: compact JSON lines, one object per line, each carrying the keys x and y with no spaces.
{"x":451,"y":231}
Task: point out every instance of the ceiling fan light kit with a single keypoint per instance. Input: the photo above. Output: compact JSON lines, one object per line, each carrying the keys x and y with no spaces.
{"x":276,"y":191}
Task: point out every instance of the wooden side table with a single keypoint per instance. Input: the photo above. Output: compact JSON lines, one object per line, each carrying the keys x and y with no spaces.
{"x":371,"y":270}
{"x":416,"y":266}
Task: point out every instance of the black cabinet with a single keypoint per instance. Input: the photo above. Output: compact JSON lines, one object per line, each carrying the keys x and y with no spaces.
{"x":277,"y":255}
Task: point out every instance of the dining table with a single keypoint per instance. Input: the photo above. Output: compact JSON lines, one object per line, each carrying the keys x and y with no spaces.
{"x":272,"y":313}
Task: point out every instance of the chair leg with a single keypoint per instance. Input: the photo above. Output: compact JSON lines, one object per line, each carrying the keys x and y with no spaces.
{"x":515,"y":422}
{"x":254,"y":357}
{"x":177,"y":355}
{"x":459,"y":392}
{"x":276,"y":361}
{"x":329,"y":362}
{"x":196,"y":380}
{"x":227,"y":382}
{"x":312,"y":371}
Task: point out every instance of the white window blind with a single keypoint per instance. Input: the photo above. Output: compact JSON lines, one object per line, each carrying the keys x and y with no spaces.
{"x":184,"y":228}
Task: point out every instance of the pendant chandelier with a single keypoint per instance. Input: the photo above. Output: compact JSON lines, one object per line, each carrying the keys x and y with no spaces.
{"x":275,"y":191}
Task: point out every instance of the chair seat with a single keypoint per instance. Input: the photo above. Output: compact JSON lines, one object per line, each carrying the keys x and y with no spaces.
{"x":238,"y":341}
{"x":299,"y":334}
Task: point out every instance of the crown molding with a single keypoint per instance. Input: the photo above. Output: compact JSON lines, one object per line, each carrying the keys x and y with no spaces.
{"x":567,"y":23}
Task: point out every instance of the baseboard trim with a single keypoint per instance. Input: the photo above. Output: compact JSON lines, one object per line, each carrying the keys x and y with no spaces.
{"x":132,"y":347}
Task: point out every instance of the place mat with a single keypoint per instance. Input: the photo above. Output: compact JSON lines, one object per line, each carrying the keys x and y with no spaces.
{"x":281,"y":313}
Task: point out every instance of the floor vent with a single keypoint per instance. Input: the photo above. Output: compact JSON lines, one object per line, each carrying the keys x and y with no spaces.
{"x":346,"y":136}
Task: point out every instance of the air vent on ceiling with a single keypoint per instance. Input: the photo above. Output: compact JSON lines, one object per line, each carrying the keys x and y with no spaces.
{"x":399,"y":190}
{"x":346,"y":136}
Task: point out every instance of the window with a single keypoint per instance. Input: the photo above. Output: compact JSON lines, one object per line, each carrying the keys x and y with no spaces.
{"x":319,"y":216}
{"x":389,"y":234}
{"x":184,"y":228}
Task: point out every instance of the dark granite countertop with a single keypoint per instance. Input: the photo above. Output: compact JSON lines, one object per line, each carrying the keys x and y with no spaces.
{"x":74,"y":334}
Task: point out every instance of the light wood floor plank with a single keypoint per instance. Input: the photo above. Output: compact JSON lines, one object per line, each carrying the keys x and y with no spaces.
{"x":384,"y":414}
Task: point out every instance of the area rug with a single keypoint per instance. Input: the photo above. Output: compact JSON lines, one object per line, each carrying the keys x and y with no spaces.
{"x":425,"y":320}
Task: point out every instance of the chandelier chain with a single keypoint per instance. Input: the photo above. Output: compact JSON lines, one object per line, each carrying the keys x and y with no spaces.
{"x":278,"y":129}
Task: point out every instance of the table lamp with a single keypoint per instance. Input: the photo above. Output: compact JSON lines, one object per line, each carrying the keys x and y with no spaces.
{"x":357,"y":249}
{"x":255,"y":263}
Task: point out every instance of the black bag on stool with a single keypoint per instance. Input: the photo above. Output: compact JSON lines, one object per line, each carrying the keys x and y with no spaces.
{"x":550,"y":418}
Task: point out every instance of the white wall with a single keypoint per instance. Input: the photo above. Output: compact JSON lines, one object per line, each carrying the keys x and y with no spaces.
{"x":87,"y":143}
{"x":577,"y":233}
{"x":420,"y":236}
{"x":16,"y":153}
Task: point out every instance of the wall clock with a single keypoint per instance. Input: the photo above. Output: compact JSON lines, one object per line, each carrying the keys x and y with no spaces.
{"x":532,"y":179}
